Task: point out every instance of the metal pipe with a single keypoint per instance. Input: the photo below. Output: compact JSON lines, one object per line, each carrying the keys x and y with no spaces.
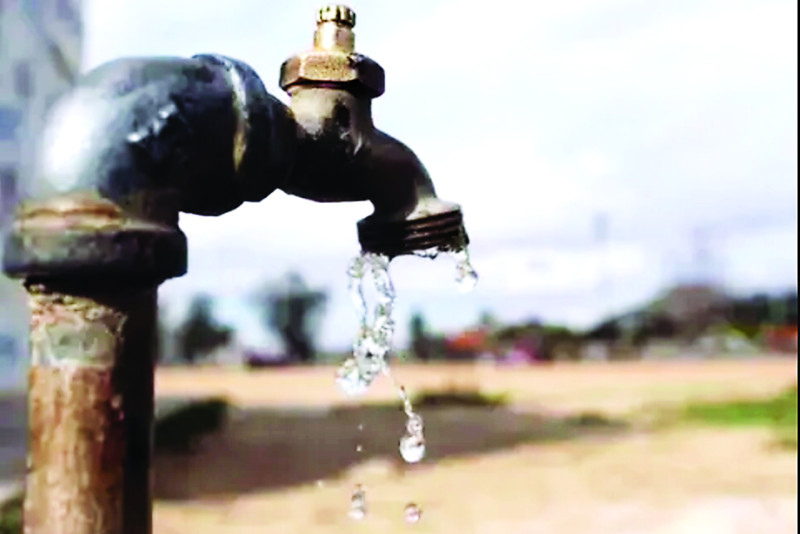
{"x":91,"y":408}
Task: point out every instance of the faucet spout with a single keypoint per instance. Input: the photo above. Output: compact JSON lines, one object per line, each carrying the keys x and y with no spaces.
{"x":408,"y":216}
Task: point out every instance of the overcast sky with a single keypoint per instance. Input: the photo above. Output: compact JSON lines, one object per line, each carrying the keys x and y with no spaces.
{"x":676,"y":119}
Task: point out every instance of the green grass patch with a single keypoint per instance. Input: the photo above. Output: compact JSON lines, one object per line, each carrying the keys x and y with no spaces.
{"x":778,"y":412}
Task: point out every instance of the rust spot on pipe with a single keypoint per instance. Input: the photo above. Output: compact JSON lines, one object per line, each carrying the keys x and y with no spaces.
{"x":89,"y":211}
{"x":83,"y":210}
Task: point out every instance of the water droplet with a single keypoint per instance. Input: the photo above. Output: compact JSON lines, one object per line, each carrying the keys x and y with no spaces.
{"x":414,"y":424}
{"x":354,"y":377}
{"x":429,"y":253}
{"x":359,"y":448}
{"x":413,"y":513}
{"x":412,"y":448}
{"x":358,"y":503}
{"x":357,"y":513}
{"x":320,"y":483}
{"x":360,"y":427}
{"x":412,"y":444}
{"x":355,"y":277}
{"x":466,"y":276}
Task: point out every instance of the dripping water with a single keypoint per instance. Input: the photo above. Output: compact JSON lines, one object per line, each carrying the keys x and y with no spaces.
{"x":358,"y":503}
{"x":372,"y":346}
{"x":412,"y":513}
{"x":373,"y":342}
{"x":466,"y":276}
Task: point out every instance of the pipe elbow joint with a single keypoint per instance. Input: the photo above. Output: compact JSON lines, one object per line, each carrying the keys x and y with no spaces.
{"x":128,"y":148}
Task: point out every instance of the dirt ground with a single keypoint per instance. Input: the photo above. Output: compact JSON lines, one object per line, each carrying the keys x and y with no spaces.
{"x":576,"y":452}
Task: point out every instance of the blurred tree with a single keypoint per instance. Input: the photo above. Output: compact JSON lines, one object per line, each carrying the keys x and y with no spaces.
{"x":420,"y":340}
{"x":608,"y":331}
{"x":790,"y":303}
{"x":783,"y":309}
{"x":200,"y":333}
{"x":654,"y":325}
{"x":749,"y":314}
{"x":558,"y":342}
{"x":292,"y":311}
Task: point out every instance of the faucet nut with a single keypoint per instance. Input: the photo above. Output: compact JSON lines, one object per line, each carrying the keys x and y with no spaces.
{"x":324,"y":67}
{"x":333,"y":59}
{"x":434,"y":224}
{"x":337,"y":13}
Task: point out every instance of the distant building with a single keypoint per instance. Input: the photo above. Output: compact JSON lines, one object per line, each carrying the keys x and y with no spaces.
{"x":40,"y":53}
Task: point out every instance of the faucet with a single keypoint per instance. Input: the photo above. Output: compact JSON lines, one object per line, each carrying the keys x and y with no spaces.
{"x":135,"y":142}
{"x":343,"y":157}
{"x":140,"y":139}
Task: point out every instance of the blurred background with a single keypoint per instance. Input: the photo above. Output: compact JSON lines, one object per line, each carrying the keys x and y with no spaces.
{"x":628,"y":175}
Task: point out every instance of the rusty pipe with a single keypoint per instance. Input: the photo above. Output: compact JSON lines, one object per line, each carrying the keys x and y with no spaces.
{"x":91,"y":409}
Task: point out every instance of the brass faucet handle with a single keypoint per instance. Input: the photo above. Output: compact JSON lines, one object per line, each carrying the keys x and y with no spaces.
{"x":333,"y":59}
{"x":338,"y":14}
{"x":335,"y":30}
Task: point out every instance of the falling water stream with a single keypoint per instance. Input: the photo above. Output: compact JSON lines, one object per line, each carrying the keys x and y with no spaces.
{"x":372,"y":346}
